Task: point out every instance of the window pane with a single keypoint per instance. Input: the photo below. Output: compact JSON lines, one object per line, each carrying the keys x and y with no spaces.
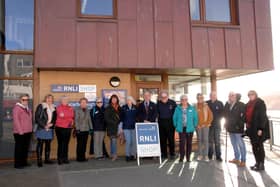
{"x":148,"y":78}
{"x":19,"y":21}
{"x":195,"y":9}
{"x":16,"y":65}
{"x":10,"y":90}
{"x":218,"y":10}
{"x":97,"y":7}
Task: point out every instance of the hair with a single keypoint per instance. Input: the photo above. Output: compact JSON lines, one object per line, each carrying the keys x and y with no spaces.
{"x":98,"y":99}
{"x":147,"y":92}
{"x":48,"y":96}
{"x":23,"y":95}
{"x":238,"y":96}
{"x":83,"y":99}
{"x":199,"y":95}
{"x":163,"y":91}
{"x":184,"y":96}
{"x":131,"y":99}
{"x":114,"y":96}
{"x":63,"y":97}
{"x":253,"y":92}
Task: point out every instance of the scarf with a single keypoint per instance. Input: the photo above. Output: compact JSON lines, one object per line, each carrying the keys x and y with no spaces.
{"x":50,"y":110}
{"x":249,"y":113}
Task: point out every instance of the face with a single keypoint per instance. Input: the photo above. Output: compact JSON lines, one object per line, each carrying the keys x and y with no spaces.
{"x":184,"y":101}
{"x":232,"y":97}
{"x":164,"y":97}
{"x":213,"y":96}
{"x":114,"y":100}
{"x":83,"y":104}
{"x":24,"y":100}
{"x":252,"y":96}
{"x":64,"y":101}
{"x":147,"y":96}
{"x":99,"y":103}
{"x":49,"y":100}
{"x":129,"y":102}
{"x":200,"y":99}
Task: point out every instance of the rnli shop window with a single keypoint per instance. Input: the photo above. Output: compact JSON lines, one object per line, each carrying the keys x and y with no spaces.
{"x":214,"y":11}
{"x":98,"y":8}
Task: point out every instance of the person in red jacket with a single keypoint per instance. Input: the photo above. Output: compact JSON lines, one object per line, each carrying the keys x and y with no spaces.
{"x":22,"y":128}
{"x":63,"y":127}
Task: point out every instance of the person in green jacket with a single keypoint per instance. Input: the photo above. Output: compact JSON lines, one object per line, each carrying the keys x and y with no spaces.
{"x":185,"y":120}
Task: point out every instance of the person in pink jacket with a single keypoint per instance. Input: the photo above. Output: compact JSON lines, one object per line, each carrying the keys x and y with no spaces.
{"x":22,"y":129}
{"x":63,"y":127}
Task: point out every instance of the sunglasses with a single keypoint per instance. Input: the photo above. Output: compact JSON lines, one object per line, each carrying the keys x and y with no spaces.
{"x":25,"y":99}
{"x":99,"y":102}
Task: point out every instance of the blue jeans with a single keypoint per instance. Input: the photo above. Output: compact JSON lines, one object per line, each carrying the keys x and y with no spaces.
{"x":130,"y":142}
{"x":113,"y":146}
{"x":238,"y":146}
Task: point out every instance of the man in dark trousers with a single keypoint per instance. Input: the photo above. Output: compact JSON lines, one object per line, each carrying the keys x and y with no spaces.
{"x":147,"y":111}
{"x":166,"y":108}
{"x":217,"y":109}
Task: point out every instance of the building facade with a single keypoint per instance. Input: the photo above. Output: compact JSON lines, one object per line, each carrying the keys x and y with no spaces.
{"x":180,"y":45}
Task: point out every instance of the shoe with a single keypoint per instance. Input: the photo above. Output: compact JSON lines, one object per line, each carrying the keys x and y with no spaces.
{"x":18,"y":167}
{"x":100,"y":158}
{"x":199,"y":157}
{"x":259,"y":167}
{"x":219,"y":159}
{"x":132,"y":158}
{"x":114,"y":158}
{"x":27,"y":165}
{"x":206,"y":159}
{"x":40,"y":163}
{"x":60,"y":162}
{"x":66,"y":161}
{"x":172,"y":157}
{"x":163,"y":157}
{"x":242,"y":164}
{"x":48,"y":162}
{"x":234,"y":161}
{"x":252,"y":167}
{"x":127,"y":158}
{"x":188,"y":160}
{"x":181,"y":160}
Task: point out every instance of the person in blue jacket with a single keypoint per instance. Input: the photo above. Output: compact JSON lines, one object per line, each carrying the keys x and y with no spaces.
{"x":128,"y":120}
{"x":185,"y":121}
{"x":147,"y":110}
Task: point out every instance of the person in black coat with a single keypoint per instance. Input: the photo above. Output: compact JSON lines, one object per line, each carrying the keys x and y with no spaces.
{"x":45,"y":117}
{"x":235,"y":118}
{"x":257,"y":128}
{"x":112,"y":121}
{"x":147,"y":110}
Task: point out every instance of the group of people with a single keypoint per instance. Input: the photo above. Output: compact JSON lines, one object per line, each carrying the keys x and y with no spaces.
{"x":118,"y":122}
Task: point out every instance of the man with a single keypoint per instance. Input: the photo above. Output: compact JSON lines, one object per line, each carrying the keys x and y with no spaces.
{"x":217,"y":109}
{"x":147,"y":111}
{"x":235,"y":118}
{"x":166,"y":108}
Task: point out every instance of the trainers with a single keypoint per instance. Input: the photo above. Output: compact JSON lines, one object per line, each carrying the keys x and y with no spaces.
{"x":242,"y":164}
{"x":219,"y":159}
{"x":206,"y":159}
{"x":234,"y":161}
{"x":199,"y":157}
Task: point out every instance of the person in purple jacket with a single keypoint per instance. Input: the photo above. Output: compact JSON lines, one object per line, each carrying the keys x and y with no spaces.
{"x":22,"y":129}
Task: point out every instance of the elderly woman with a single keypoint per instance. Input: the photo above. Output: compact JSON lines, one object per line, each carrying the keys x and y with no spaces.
{"x":185,"y":121}
{"x":128,"y":119}
{"x":257,"y":127}
{"x":22,"y":128}
{"x":205,"y":118}
{"x":112,"y":120}
{"x":83,"y":127}
{"x":45,"y":117}
{"x":63,"y":127}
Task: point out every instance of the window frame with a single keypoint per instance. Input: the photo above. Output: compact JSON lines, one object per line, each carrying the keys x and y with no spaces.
{"x":234,"y":19}
{"x":92,"y":16}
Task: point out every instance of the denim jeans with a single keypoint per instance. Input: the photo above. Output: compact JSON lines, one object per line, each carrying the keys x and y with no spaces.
{"x":214,"y":140}
{"x":130,"y":142}
{"x":238,"y":146}
{"x":113,"y":146}
{"x":203,"y":141}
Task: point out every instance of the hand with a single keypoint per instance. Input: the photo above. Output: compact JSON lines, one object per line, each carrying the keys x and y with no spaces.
{"x":78,"y":131}
{"x":91,"y":131}
{"x":259,"y":132}
{"x":146,"y":121}
{"x":49,"y":125}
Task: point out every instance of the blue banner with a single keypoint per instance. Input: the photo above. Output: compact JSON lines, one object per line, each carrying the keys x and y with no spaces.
{"x":65,"y":88}
{"x":147,"y":134}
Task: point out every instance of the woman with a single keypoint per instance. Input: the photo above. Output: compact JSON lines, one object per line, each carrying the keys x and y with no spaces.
{"x":97,"y":118}
{"x":185,"y":121}
{"x":112,"y":120}
{"x":45,"y":117}
{"x":128,"y":118}
{"x":22,"y":129}
{"x":205,"y":118}
{"x":63,"y":128}
{"x":257,"y":128}
{"x":83,"y":127}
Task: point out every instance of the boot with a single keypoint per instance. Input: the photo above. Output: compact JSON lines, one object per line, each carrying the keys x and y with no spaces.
{"x":47,"y":152}
{"x":39,"y":151}
{"x":258,"y":167}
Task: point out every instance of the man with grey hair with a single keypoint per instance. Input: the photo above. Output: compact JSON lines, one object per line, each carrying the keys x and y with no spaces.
{"x":166,"y":108}
{"x":147,"y":110}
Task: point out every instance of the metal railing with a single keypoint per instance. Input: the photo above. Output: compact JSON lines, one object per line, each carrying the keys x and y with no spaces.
{"x":274,"y":123}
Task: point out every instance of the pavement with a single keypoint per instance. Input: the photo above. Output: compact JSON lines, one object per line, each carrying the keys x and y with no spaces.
{"x":150,"y":173}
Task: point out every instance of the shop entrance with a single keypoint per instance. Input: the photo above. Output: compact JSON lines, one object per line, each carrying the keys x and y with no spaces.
{"x":153,"y":88}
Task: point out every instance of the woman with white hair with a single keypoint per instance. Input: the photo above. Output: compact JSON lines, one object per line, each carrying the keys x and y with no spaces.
{"x":128,"y":120}
{"x":63,"y":127}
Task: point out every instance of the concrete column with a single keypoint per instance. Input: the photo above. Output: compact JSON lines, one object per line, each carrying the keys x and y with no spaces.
{"x":203,"y":82}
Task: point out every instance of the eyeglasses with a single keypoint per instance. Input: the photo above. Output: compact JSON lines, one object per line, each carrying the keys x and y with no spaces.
{"x":25,"y":99}
{"x":99,"y":102}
